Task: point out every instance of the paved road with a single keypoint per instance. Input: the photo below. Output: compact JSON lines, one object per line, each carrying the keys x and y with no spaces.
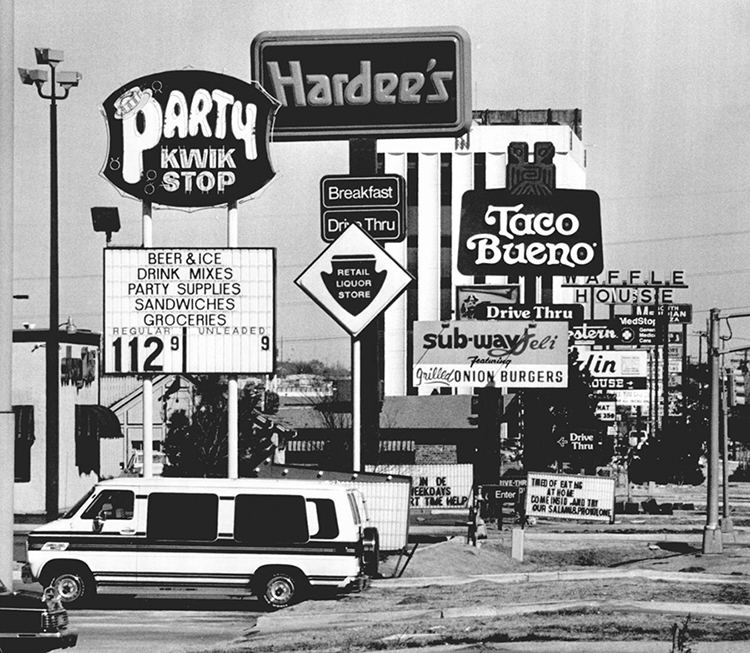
{"x":162,"y":626}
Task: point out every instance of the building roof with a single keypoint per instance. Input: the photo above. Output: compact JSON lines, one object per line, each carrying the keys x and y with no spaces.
{"x":412,"y":412}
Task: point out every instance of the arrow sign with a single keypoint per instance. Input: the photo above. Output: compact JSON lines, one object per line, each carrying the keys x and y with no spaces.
{"x":562,"y":442}
{"x":354,"y":280}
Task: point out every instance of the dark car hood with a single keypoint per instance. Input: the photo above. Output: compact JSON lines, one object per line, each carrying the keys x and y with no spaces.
{"x":20,"y":600}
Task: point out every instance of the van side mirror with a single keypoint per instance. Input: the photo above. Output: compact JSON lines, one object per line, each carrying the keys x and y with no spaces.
{"x":99,"y":520}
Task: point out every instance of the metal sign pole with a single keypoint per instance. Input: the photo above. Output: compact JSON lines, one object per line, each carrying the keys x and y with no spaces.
{"x":148,"y":386}
{"x":365,"y":399}
{"x":712,"y":540}
{"x":233,"y":444}
{"x":356,"y":404}
{"x":7,"y":435}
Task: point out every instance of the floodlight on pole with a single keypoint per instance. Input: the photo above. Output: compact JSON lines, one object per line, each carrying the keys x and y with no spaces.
{"x":62,"y":81}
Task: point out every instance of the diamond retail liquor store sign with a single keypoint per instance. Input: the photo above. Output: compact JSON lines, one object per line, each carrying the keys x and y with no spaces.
{"x":189,"y":138}
{"x":354,"y":280}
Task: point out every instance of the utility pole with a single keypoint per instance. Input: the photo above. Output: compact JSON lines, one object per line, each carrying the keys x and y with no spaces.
{"x":712,"y":534}
{"x":712,"y":541}
{"x":7,"y":434}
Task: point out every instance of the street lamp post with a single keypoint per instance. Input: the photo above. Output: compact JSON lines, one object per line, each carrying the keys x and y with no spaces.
{"x":66,"y":81}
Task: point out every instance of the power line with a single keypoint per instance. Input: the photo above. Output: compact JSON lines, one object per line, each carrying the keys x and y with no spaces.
{"x":670,"y":239}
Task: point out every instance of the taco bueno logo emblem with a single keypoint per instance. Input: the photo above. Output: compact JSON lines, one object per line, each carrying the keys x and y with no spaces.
{"x":189,"y":138}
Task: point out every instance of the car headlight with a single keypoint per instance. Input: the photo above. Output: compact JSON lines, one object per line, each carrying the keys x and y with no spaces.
{"x":55,"y":546}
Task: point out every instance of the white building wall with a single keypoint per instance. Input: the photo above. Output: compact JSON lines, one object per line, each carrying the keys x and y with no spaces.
{"x":29,"y":388}
{"x":394,"y":321}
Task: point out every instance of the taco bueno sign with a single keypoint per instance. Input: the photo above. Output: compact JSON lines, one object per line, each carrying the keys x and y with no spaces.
{"x":503,"y":233}
{"x":189,"y":138}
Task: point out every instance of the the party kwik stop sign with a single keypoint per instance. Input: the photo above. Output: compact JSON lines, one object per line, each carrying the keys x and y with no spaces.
{"x":354,"y":280}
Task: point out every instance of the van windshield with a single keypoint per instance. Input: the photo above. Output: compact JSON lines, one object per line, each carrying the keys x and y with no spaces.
{"x":79,"y":503}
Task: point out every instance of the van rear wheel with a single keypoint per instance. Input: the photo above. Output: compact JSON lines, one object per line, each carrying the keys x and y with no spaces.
{"x":74,"y":585}
{"x":278,"y":589}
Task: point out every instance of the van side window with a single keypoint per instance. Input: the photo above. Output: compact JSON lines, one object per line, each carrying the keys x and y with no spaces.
{"x":328,"y":525}
{"x":177,"y":516}
{"x":270,"y":519}
{"x":111,"y":504}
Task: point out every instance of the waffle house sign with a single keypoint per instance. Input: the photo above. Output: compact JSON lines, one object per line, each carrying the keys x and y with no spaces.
{"x":627,"y":287}
{"x":189,"y":138}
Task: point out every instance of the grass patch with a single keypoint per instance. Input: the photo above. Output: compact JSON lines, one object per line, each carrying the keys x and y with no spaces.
{"x":567,"y":625}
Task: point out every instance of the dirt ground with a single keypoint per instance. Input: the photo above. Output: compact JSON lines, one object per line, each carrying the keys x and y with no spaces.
{"x":636,"y":579}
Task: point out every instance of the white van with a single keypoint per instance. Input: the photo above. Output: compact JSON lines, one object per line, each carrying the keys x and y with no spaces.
{"x":273,"y":538}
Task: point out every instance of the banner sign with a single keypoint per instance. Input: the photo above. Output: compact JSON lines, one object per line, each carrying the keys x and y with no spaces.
{"x":615,"y":370}
{"x":468,"y":354}
{"x":572,"y":313}
{"x":566,"y":496}
{"x":477,"y":302}
{"x":627,"y":287}
{"x":502,"y":233}
{"x":447,"y":486}
{"x":384,"y":83}
{"x":506,"y":490}
{"x":194,"y":311}
{"x":606,"y":410}
{"x":189,"y":138}
{"x":676,"y":313}
{"x":582,"y":440}
{"x":640,"y":330}
{"x":595,"y":332}
{"x":376,"y":204}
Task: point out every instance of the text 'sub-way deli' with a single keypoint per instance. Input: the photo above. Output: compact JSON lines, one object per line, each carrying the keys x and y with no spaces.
{"x":189,"y":138}
{"x":470,"y":354}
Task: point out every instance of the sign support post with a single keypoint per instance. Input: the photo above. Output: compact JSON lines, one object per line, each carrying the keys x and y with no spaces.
{"x":356,"y":404}
{"x":366,"y":350}
{"x":148,"y":386}
{"x":233,"y":440}
{"x":712,"y":539}
{"x":355,"y":280}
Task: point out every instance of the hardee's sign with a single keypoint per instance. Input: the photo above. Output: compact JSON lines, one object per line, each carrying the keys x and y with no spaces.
{"x":366,"y":83}
{"x":189,"y":138}
{"x":503,"y":233}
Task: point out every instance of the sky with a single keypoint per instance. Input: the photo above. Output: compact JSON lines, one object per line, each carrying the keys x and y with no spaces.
{"x":662,"y":85}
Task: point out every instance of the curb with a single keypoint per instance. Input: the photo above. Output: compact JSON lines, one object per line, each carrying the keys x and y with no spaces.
{"x":267,"y":625}
{"x":551,"y":576}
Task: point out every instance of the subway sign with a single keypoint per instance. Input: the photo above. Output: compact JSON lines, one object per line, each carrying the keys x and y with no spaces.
{"x":345,"y":84}
{"x":189,"y":138}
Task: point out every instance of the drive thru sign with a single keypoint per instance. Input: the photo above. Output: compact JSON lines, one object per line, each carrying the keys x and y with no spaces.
{"x":354,"y":280}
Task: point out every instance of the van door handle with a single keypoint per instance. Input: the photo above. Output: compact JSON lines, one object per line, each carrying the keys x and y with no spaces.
{"x":127,"y":531}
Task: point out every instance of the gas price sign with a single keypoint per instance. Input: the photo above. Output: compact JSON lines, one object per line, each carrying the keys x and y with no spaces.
{"x":198,"y":311}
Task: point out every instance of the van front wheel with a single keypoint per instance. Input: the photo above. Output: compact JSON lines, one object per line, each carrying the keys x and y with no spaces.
{"x":279,"y":589}
{"x":75,"y":586}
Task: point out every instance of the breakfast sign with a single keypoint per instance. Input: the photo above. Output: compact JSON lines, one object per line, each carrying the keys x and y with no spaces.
{"x":189,"y":138}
